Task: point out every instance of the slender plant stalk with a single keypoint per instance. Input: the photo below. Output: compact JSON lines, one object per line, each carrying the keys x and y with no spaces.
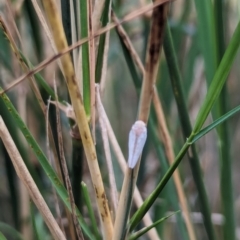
{"x":25,"y":176}
{"x":170,"y":156}
{"x":122,"y":162}
{"x":214,"y":91}
{"x":187,"y":129}
{"x":112,"y":181}
{"x":43,"y":160}
{"x":124,"y":205}
{"x":90,"y":210}
{"x":81,"y":118}
{"x":84,"y":15}
{"x":226,"y":186}
{"x":161,"y":121}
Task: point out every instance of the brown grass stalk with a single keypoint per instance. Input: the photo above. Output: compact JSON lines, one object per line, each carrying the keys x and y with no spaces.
{"x":123,"y":165}
{"x":81,"y":119}
{"x":26,"y":178}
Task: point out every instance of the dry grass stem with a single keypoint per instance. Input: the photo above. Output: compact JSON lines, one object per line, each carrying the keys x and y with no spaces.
{"x":123,"y":165}
{"x":26,"y":178}
{"x":66,"y":49}
{"x":97,"y":14}
{"x":81,"y":119}
{"x":167,"y":142}
{"x":128,"y":43}
{"x":155,"y":41}
{"x":45,"y":28}
{"x":124,"y":204}
{"x":112,"y":181}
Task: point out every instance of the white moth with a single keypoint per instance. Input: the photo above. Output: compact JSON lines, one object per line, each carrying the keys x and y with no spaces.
{"x":136,"y":142}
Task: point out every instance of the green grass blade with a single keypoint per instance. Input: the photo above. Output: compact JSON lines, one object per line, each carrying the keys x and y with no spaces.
{"x":139,"y":233}
{"x":206,"y":30}
{"x":2,"y":237}
{"x":43,"y":161}
{"x":218,"y":80}
{"x":10,"y":231}
{"x":101,"y":47}
{"x":226,"y":186}
{"x":90,"y":210}
{"x":137,"y":82}
{"x":35,"y":231}
{"x":85,"y":57}
{"x":153,"y":196}
{"x":186,"y":128}
{"x":216,"y":123}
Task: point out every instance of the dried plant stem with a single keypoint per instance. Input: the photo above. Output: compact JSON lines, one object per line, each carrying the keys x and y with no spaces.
{"x":152,"y":60}
{"x":124,"y":205}
{"x":66,"y":49}
{"x":128,"y":43}
{"x":26,"y":178}
{"x":81,"y":119}
{"x":170,"y":156}
{"x":122,"y":162}
{"x":112,"y":181}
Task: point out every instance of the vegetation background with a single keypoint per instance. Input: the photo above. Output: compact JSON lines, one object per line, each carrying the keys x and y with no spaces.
{"x":199,"y":32}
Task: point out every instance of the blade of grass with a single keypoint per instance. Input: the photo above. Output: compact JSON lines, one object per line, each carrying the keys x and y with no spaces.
{"x":175,"y":78}
{"x":139,"y":233}
{"x":216,"y":85}
{"x":101,"y":47}
{"x":90,"y":210}
{"x":130,"y":55}
{"x":84,"y":18}
{"x":216,"y":123}
{"x":218,"y":80}
{"x":42,"y":160}
{"x":81,"y":118}
{"x":35,"y":230}
{"x":2,"y":237}
{"x":226,"y":186}
{"x":9,"y":230}
{"x":206,"y":26}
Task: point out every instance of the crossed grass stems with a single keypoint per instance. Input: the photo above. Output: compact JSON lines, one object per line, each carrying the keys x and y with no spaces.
{"x":149,"y":79}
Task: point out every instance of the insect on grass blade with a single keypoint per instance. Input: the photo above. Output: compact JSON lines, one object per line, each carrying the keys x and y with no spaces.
{"x":136,"y":142}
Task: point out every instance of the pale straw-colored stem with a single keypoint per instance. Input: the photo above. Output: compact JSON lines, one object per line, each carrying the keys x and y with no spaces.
{"x":26,"y":178}
{"x":112,"y":181}
{"x":123,"y":165}
{"x":81,"y":118}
